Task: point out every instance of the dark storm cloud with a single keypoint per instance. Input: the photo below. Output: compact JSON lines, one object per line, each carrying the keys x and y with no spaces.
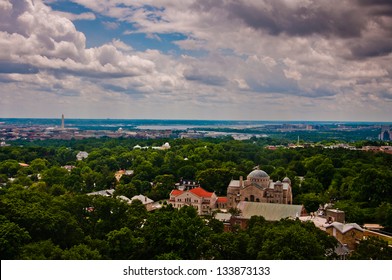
{"x":334,"y":19}
{"x":369,"y":48}
{"x":300,"y":21}
{"x":375,"y":2}
{"x":387,"y":96}
{"x":377,"y":7}
{"x":277,"y":17}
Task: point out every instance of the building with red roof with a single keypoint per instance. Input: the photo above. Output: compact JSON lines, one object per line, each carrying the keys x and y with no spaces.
{"x":203,"y":201}
{"x":221,"y":202}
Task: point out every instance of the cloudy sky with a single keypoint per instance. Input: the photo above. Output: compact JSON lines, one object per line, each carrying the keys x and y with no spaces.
{"x":197,"y":59}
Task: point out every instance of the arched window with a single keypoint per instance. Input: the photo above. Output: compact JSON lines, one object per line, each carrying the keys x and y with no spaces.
{"x":246,"y":199}
{"x":257,"y":200}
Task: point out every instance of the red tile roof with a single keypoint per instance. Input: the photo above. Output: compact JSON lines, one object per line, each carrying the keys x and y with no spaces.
{"x":176,"y":192}
{"x":222,"y":199}
{"x":199,"y":191}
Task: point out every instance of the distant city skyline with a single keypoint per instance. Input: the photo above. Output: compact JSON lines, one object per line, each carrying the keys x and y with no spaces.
{"x":204,"y":60}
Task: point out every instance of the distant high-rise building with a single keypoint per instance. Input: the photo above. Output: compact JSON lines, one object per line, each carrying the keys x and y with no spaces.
{"x":62,"y":122}
{"x":386,"y":133}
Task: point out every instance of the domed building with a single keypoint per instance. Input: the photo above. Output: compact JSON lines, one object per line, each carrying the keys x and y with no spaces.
{"x":258,"y":187}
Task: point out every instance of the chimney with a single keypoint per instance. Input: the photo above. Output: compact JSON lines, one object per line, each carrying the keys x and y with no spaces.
{"x":241,"y":181}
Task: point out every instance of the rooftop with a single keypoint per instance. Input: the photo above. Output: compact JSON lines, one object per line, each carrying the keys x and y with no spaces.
{"x":270,"y":211}
{"x":343,"y":228}
{"x":199,"y":191}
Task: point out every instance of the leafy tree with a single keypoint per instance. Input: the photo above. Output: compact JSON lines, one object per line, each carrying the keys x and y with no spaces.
{"x":39,"y":165}
{"x":12,"y":238}
{"x":353,"y":211}
{"x":55,"y":175}
{"x":372,"y":248}
{"x":179,"y":231}
{"x":216,"y":179}
{"x":9,"y":167}
{"x":187,"y":172}
{"x":41,"y":250}
{"x":311,"y":201}
{"x":290,"y":240}
{"x":384,"y":215}
{"x":81,"y":252}
{"x":123,"y":245}
{"x":216,"y":225}
{"x":324,"y":173}
{"x":128,"y":190}
{"x":311,"y":185}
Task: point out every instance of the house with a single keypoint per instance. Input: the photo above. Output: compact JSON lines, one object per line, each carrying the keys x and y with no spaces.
{"x":225,"y":218}
{"x":221,"y":202}
{"x":203,"y":201}
{"x":81,"y":155}
{"x":147,"y":202}
{"x":122,"y":172}
{"x":348,"y":235}
{"x":69,"y":167}
{"x":108,"y":192}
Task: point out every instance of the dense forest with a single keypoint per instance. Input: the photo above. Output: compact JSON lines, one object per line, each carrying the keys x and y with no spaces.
{"x":46,"y":214}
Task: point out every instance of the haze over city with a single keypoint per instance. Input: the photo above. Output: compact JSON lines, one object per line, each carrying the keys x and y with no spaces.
{"x":207,"y":59}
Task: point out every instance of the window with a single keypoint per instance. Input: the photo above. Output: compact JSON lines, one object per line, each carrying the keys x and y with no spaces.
{"x":252,"y":198}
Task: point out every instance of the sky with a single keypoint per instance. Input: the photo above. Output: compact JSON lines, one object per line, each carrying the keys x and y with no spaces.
{"x":204,"y":59}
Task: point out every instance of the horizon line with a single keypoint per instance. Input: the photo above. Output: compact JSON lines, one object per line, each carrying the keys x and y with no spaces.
{"x":176,"y":119}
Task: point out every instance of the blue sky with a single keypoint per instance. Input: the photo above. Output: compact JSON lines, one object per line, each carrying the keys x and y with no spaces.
{"x":205,"y":59}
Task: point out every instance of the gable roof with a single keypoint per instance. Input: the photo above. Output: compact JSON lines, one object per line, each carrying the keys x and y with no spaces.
{"x":199,"y":191}
{"x":222,"y":199}
{"x":144,"y":199}
{"x":343,"y":228}
{"x":176,"y":192}
{"x":270,"y":211}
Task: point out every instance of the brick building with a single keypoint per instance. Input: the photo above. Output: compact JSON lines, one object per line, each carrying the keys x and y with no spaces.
{"x":203,"y":201}
{"x":347,"y":234}
{"x":258,"y":187}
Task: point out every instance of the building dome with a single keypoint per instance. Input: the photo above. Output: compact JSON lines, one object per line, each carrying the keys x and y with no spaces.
{"x":287,"y":180}
{"x":258,"y":174}
{"x":278,"y":183}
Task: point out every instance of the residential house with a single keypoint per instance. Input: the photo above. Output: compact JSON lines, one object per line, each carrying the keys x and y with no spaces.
{"x":121,"y":173}
{"x":81,"y":155}
{"x":147,"y":202}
